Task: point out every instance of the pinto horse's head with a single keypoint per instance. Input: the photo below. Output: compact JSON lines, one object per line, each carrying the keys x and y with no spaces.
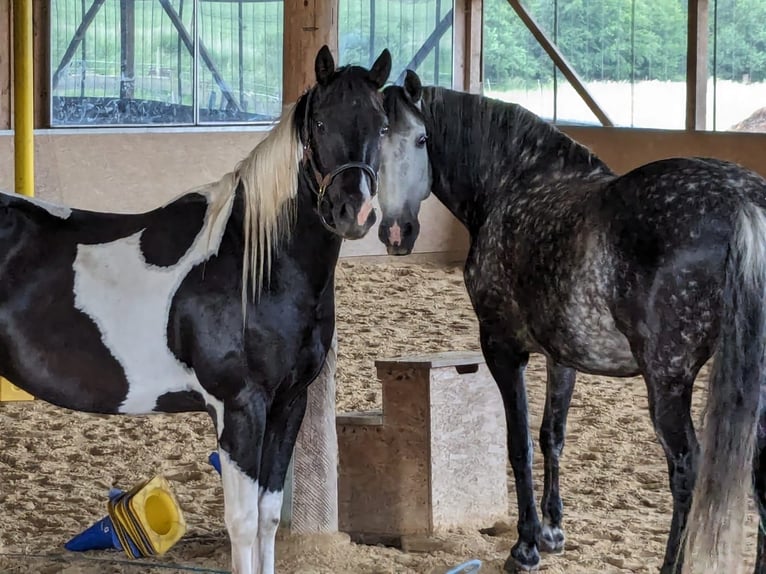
{"x":405,"y":170}
{"x":341,"y":122}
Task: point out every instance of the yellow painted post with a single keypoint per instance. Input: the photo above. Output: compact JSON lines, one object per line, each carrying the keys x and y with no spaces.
{"x":23,"y":98}
{"x":23,"y":130}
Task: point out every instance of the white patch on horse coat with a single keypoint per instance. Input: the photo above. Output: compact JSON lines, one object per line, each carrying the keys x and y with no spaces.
{"x":129,"y":300}
{"x":269,"y":511}
{"x":217,"y":406}
{"x":60,"y":211}
{"x":240,"y":508}
{"x":600,"y":344}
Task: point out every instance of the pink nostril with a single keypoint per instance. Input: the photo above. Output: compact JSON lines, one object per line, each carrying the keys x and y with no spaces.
{"x":395,"y":234}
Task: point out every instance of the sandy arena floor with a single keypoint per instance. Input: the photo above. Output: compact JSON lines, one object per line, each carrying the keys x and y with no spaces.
{"x":56,"y":466}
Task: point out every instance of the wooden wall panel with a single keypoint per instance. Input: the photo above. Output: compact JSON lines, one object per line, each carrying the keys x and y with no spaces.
{"x":5,"y":64}
{"x":309,"y":24}
{"x":467,"y":65}
{"x":696,"y":64}
{"x":41,"y":21}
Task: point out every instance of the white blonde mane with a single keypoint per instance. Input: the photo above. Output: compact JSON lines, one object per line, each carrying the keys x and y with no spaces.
{"x":269,"y":177}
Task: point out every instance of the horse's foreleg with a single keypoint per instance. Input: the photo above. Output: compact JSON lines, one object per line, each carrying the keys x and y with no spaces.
{"x":507,"y":362}
{"x":561,"y":382}
{"x":240,"y":446}
{"x":281,"y":432}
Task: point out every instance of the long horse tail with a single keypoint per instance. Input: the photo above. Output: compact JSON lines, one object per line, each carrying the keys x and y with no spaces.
{"x":715,"y":525}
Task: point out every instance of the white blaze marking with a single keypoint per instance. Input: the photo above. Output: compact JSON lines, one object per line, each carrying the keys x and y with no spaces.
{"x":129,"y":300}
{"x":395,"y":234}
{"x":269,"y":509}
{"x":364,"y":212}
{"x":240,"y":503}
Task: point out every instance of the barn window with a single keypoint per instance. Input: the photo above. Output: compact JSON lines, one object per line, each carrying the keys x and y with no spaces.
{"x":629,"y":54}
{"x":737,"y":64}
{"x":165,"y":62}
{"x":417,"y":33}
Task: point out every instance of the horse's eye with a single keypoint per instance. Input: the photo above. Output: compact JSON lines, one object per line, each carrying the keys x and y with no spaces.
{"x":421,"y":141}
{"x":384,"y":130}
{"x":320,"y":125}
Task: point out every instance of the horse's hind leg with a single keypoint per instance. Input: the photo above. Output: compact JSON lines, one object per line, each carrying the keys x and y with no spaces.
{"x":507,"y":362}
{"x":670,"y":394}
{"x":561,"y":382}
{"x":282,"y":428}
{"x":240,"y":445}
{"x":759,"y":480}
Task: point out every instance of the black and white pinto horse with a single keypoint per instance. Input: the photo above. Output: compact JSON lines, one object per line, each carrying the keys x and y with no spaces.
{"x":651,"y":272}
{"x":221,"y":300}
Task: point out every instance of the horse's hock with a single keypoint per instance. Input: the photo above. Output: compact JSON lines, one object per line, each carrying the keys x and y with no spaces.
{"x":434,"y":459}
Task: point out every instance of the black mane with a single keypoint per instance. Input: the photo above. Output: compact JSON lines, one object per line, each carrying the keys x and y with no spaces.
{"x":504,"y":136}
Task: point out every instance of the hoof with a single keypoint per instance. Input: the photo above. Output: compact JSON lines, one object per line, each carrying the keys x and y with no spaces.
{"x":523,"y":558}
{"x":551,"y":539}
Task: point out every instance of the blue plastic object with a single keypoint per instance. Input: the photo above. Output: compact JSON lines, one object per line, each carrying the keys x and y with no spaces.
{"x":466,"y":567}
{"x":98,"y":536}
{"x":215,"y":460}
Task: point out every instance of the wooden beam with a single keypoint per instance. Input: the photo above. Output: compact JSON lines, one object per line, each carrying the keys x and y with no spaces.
{"x":5,"y":64}
{"x":42,"y":69}
{"x":309,"y":24}
{"x":183,"y":33}
{"x":127,"y":48}
{"x":467,"y":64}
{"x":696,"y":65}
{"x":431,"y":43}
{"x":79,"y":34}
{"x":561,"y":62}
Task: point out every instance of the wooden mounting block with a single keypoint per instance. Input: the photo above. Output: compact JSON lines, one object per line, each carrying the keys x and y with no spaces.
{"x":434,"y":459}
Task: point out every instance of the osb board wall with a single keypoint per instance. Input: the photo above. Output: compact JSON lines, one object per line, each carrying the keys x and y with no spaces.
{"x":467,"y":430}
{"x":5,"y":64}
{"x":384,"y":486}
{"x":624,"y":149}
{"x":136,"y":171}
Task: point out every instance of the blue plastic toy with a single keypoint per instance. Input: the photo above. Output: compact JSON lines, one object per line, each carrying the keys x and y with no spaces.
{"x":466,"y":567}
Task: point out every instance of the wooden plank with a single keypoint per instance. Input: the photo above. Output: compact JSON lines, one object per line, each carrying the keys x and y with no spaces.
{"x":458,"y":44}
{"x":42,"y":68}
{"x":309,"y":24}
{"x":127,"y":48}
{"x":362,"y":418}
{"x":474,"y":72}
{"x":696,"y":65}
{"x":561,"y":62}
{"x":432,"y":360}
{"x":5,"y":64}
{"x":467,"y":63}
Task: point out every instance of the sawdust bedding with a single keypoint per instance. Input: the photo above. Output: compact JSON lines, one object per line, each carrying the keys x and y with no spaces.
{"x":56,"y":466}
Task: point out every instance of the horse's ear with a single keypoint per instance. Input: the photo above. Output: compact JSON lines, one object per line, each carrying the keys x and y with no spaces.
{"x":324,"y":65}
{"x":381,"y":68}
{"x":412,"y":86}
